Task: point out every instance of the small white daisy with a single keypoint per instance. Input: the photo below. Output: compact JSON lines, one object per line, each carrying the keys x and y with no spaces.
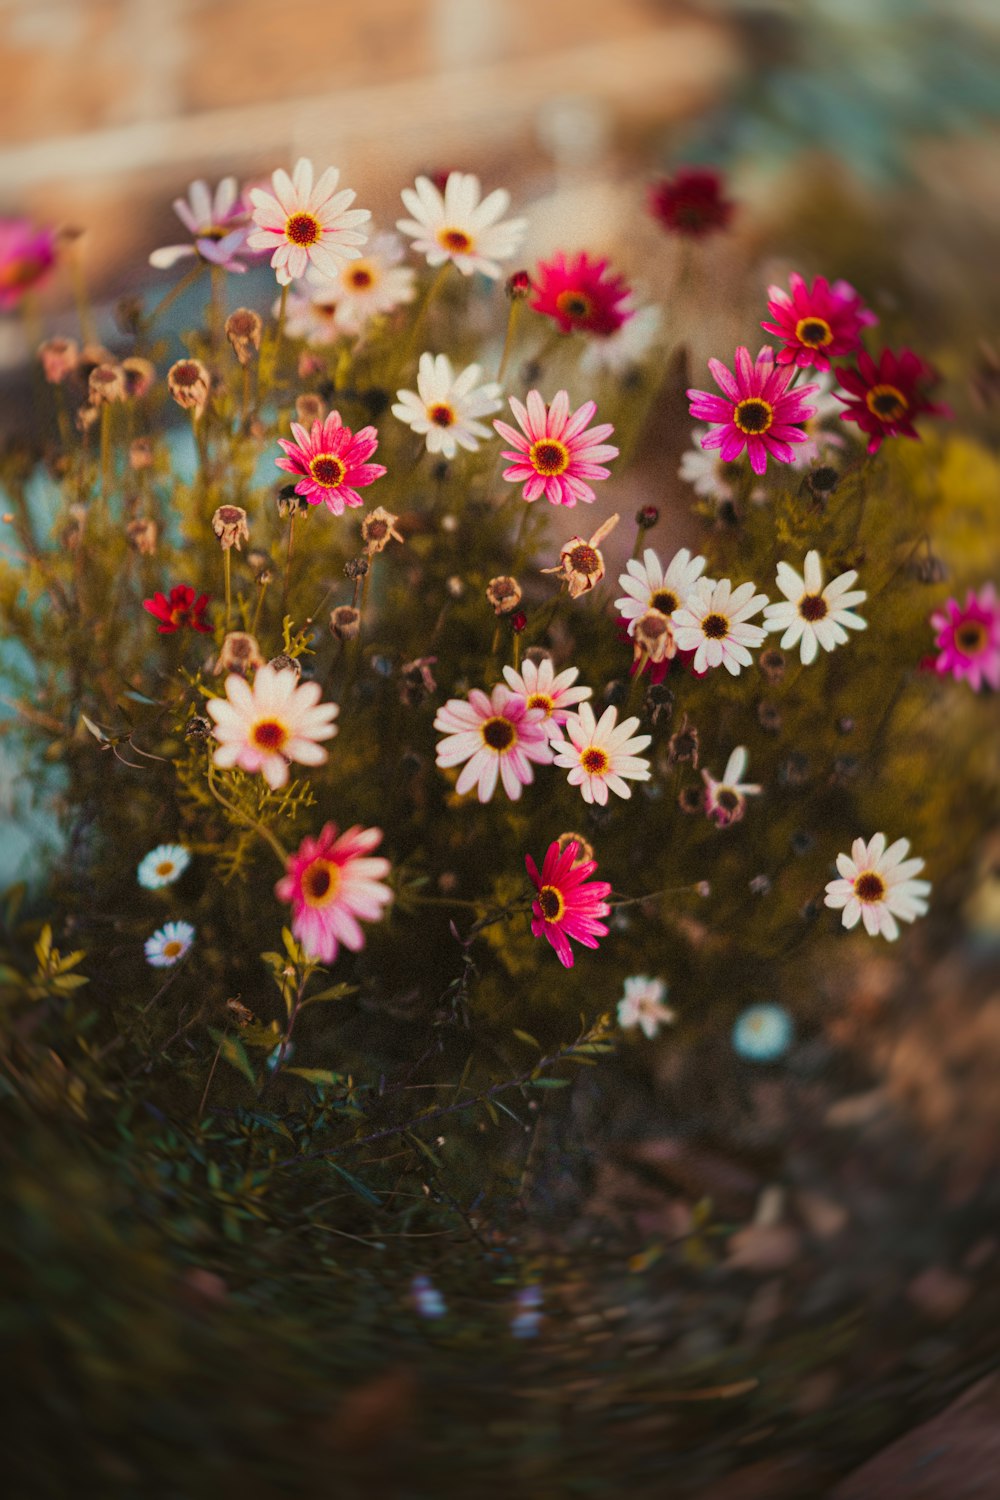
{"x":706,"y":472}
{"x":553,"y":692}
{"x":763,"y":1033}
{"x":456,"y":226}
{"x":601,"y":754}
{"x":169,"y":945}
{"x":726,"y":800}
{"x":365,"y":288}
{"x":642,"y":1005}
{"x":306,"y":224}
{"x":622,"y":351}
{"x":163,"y":865}
{"x":819,"y":440}
{"x":814,"y":616}
{"x":445,"y":406}
{"x":648,"y":586}
{"x":713,"y":624}
{"x":266,"y":727}
{"x":877,"y":886}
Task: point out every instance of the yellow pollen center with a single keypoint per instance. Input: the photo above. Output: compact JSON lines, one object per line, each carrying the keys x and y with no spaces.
{"x":869,"y":888}
{"x":542,"y":700}
{"x":441,"y":414}
{"x":454,"y":239}
{"x":303,"y":230}
{"x":320,"y":882}
{"x":594,"y":760}
{"x":328,"y":470}
{"x":269,"y":735}
{"x":165,"y":867}
{"x":551,"y":902}
{"x":549,"y":456}
{"x":716,"y":627}
{"x":886,"y":402}
{"x":815,"y":333}
{"x":172,"y":949}
{"x":970,"y":637}
{"x":753,"y":415}
{"x":499,"y":734}
{"x":359,"y":276}
{"x":574,"y":304}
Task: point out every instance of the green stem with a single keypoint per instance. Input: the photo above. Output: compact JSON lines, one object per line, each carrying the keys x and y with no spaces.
{"x":175,"y":292}
{"x":245,"y":818}
{"x":288,"y":562}
{"x":508,"y":343}
{"x":279,"y":337}
{"x":217,"y":307}
{"x":83,"y":312}
{"x":417,"y":329}
{"x":105,"y":451}
{"x":227,"y":570}
{"x":261,"y":591}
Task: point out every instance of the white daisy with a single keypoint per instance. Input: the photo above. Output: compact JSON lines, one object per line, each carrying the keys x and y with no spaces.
{"x":601,"y":754}
{"x":877,"y":886}
{"x":265,"y":727}
{"x":553,"y":692}
{"x":726,"y":800}
{"x":713,"y":624}
{"x":648,"y":586}
{"x":456,"y":226}
{"x":813,"y":615}
{"x":642,"y":1005}
{"x":620,"y":352}
{"x":445,"y":406}
{"x":169,"y":945}
{"x":163,"y":865}
{"x":365,"y":288}
{"x":306,"y":224}
{"x":311,"y":314}
{"x":827,"y":409}
{"x":706,"y":472}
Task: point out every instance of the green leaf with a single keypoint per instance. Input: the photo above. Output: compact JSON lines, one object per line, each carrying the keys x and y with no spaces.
{"x":358,"y":1186}
{"x":335,"y":992}
{"x":525,"y":1036}
{"x":232,"y":1049}
{"x":422,"y":1146}
{"x":316,"y":1075}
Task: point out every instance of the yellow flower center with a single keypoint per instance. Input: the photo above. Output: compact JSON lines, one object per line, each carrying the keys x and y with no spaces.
{"x":328,"y":470}
{"x":360,"y":276}
{"x":165,"y":867}
{"x":886,"y":402}
{"x":815,"y":333}
{"x":551,"y":902}
{"x":320,"y":882}
{"x":664,"y":600}
{"x":716,"y":627}
{"x":753,"y":415}
{"x":542,"y":700}
{"x":303,"y":229}
{"x":173,"y":949}
{"x":970,"y":638}
{"x":594,"y":760}
{"x":455,"y":240}
{"x":574,"y":304}
{"x":549,"y":456}
{"x":441,"y":414}
{"x":269,"y":735}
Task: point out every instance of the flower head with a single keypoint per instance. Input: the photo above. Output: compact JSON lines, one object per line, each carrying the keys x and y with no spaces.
{"x":557,"y":454}
{"x":968,"y":638}
{"x":884,"y":399}
{"x":27,"y":255}
{"x":763,"y":1033}
{"x":497,"y":737}
{"x":726,"y":800}
{"x":267,"y":726}
{"x":713,"y":623}
{"x":581,"y":294}
{"x":305,"y":223}
{"x":333,"y":885}
{"x":542,"y":687}
{"x":240,"y":652}
{"x":877,"y":886}
{"x":817,"y":323}
{"x":169,"y":945}
{"x":706,"y":470}
{"x":229,"y":522}
{"x":445,"y":407}
{"x":601,"y":754}
{"x":332,"y":462}
{"x":59,"y":358}
{"x":371,"y":286}
{"x":454,"y":225}
{"x":581,"y":563}
{"x":642,"y":1005}
{"x":691,"y":203}
{"x":648,"y":585}
{"x":162,"y":866}
{"x":243,"y":330}
{"x":378,"y":529}
{"x":218,"y":222}
{"x":569,"y":904}
{"x":190,"y":384}
{"x":812,"y":615}
{"x":182,"y":609}
{"x":504,"y":594}
{"x":757,"y":410}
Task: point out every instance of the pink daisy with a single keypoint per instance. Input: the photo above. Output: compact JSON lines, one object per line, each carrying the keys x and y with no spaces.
{"x":969,"y":638}
{"x":497,"y":736}
{"x":331,"y":885}
{"x":27,"y":255}
{"x":885,"y":398}
{"x":758,"y":411}
{"x":580,"y":293}
{"x":816,"y":323}
{"x":305,"y":224}
{"x":568,"y":903}
{"x":264,"y":728}
{"x":553,"y":692}
{"x":556,"y":455}
{"x":217,"y":222}
{"x":332,"y":462}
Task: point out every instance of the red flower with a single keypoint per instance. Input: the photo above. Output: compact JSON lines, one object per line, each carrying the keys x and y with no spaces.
{"x":816,"y":322}
{"x":180,"y":609}
{"x":567,"y":906}
{"x":885,"y":398}
{"x":579,"y":294}
{"x":691,"y":203}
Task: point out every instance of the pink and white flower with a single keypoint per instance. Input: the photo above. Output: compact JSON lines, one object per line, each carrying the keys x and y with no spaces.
{"x":218,"y":222}
{"x":569,"y":904}
{"x":648,"y":585}
{"x":264,"y":728}
{"x":371,"y":286}
{"x":816,"y":323}
{"x":705,"y":470}
{"x":601,"y":754}
{"x":714,"y":624}
{"x":757,"y":410}
{"x":726,"y":800}
{"x":456,"y":226}
{"x":445,"y":408}
{"x":27,"y":256}
{"x":642,"y":1005}
{"x":877,"y":886}
{"x":542,"y":687}
{"x":498,"y":737}
{"x":306,"y":224}
{"x":968,"y":638}
{"x":331,"y":462}
{"x":333,"y":886}
{"x":811,"y":615}
{"x":555,"y":452}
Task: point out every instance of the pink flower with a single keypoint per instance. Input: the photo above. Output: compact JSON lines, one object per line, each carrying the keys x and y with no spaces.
{"x":331,"y":885}
{"x":818,"y":323}
{"x":27,"y":255}
{"x":691,"y":203}
{"x":758,"y":411}
{"x":885,"y":398}
{"x":498,"y":736}
{"x":969,"y":639}
{"x":568,"y":904}
{"x":332,"y":462}
{"x":266,"y":727}
{"x":306,"y":224}
{"x":218,"y":223}
{"x":556,"y":455}
{"x":580,"y":294}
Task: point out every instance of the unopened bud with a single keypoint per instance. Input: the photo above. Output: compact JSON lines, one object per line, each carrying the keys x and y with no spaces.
{"x":345,"y":622}
{"x":243,"y":330}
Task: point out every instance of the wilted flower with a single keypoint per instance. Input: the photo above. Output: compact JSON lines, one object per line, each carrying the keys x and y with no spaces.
{"x":456,"y":226}
{"x":106,"y":384}
{"x":333,"y":886}
{"x":683,"y":745}
{"x":230,"y":526}
{"x":243,"y":330}
{"x":378,"y":529}
{"x":267,"y":727}
{"x":142,"y":535}
{"x":580,"y":294}
{"x":726,"y":800}
{"x":417,"y":681}
{"x":169,"y":945}
{"x":556,"y":455}
{"x":59,"y":359}
{"x":239,"y":653}
{"x":345,"y":622}
{"x":162,"y":866}
{"x":642,"y":1005}
{"x":772,"y":664}
{"x":190,"y":384}
{"x":305,"y":224}
{"x":504,"y":594}
{"x":569,"y":903}
{"x":581,"y":563}
{"x":310,"y":408}
{"x":877,"y":886}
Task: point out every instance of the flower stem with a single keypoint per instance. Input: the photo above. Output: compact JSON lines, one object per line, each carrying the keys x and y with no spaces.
{"x":83,"y":312}
{"x":508,"y":343}
{"x":227,"y":569}
{"x":418,"y":323}
{"x":245,"y":818}
{"x":105,"y":450}
{"x":279,"y":336}
{"x":288,"y":563}
{"x":175,"y":292}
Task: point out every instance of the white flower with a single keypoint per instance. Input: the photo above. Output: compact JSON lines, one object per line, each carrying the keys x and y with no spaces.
{"x":647,"y":586}
{"x":311,"y":314}
{"x":763,"y":1032}
{"x":305,"y":224}
{"x":169,"y":945}
{"x":365,"y":288}
{"x":456,"y":226}
{"x":814,"y":616}
{"x":828,"y":409}
{"x":705,"y":471}
{"x":713,"y":624}
{"x":163,"y":865}
{"x":445,"y":406}
{"x":877,"y":886}
{"x":265,"y":727}
{"x":497,"y":737}
{"x":621,"y":351}
{"x":542,"y":687}
{"x":725,"y":800}
{"x":600,"y":755}
{"x":642,"y":1005}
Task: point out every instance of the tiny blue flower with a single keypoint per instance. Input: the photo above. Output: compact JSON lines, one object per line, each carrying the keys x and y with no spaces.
{"x":163,"y":865}
{"x":169,"y":945}
{"x":763,"y":1033}
{"x":426,"y":1298}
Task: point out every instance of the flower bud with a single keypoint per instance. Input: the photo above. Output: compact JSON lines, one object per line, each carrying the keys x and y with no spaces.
{"x":310,"y":408}
{"x":285,"y":663}
{"x":653,"y":635}
{"x":59,"y":359}
{"x":230,"y":526}
{"x":243,"y":330}
{"x":504,"y":594}
{"x":345,"y":622}
{"x":142,"y":534}
{"x":106,"y":384}
{"x":239,"y":653}
{"x":772,"y":664}
{"x":518,"y":286}
{"x":139,"y":377}
{"x":140,"y":453}
{"x":189,"y":383}
{"x":647,"y":517}
{"x":378,"y":529}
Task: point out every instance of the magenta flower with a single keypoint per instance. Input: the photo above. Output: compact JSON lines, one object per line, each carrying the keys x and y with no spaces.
{"x":218,"y":223}
{"x":497,"y":737}
{"x":332,"y":886}
{"x":568,"y":903}
{"x":885,"y":398}
{"x":557,"y":454}
{"x":27,"y":255}
{"x":817,"y":323}
{"x":758,"y":411}
{"x":331,"y":462}
{"x":969,"y":639}
{"x":581,"y":294}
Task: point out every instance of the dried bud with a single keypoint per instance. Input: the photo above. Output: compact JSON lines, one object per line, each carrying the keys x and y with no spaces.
{"x":653,"y":635}
{"x":139,"y":377}
{"x":794,"y":770}
{"x":198,"y":728}
{"x":584,"y":849}
{"x":140,"y":453}
{"x":772,"y":664}
{"x":257,"y":561}
{"x":59,"y":359}
{"x":647,"y":517}
{"x":355,"y":568}
{"x":243,"y":330}
{"x":290,"y":502}
{"x":189,"y":383}
{"x":239,"y":653}
{"x":310,"y":408}
{"x":379,"y":529}
{"x":659,"y":702}
{"x":769,"y":717}
{"x":230,"y":526}
{"x":930,"y":568}
{"x":504,"y":593}
{"x":760,"y":885}
{"x":537,"y":654}
{"x":243,"y":1015}
{"x":455,"y":586}
{"x":285,"y":663}
{"x":417,"y":680}
{"x":822,"y":482}
{"x":345,"y":622}
{"x":845,"y":725}
{"x":310,"y":364}
{"x":581,"y":562}
{"x":106,"y":384}
{"x":92,"y":355}
{"x":86,"y":416}
{"x":690,"y":799}
{"x":142,"y":535}
{"x":518,"y":286}
{"x":683,"y":746}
